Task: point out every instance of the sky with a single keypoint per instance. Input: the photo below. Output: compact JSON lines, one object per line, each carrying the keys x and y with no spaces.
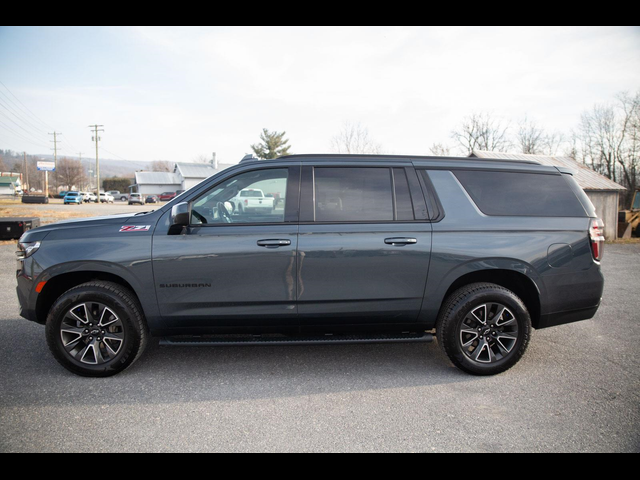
{"x":180,"y":93}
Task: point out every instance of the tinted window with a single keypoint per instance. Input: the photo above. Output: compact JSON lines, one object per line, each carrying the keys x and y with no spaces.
{"x":404,"y":207}
{"x":233,"y":200}
{"x":353,"y":194}
{"x":521,"y":194}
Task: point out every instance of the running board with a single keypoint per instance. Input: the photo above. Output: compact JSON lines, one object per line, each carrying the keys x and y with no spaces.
{"x":277,"y":340}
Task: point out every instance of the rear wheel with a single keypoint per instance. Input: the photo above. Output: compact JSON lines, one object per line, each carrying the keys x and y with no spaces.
{"x":484,"y":329}
{"x":96,"y":329}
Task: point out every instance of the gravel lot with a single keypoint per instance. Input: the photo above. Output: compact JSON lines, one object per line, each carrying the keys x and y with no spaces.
{"x":576,"y":390}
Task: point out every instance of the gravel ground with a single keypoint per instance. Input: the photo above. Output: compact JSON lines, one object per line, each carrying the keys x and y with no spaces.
{"x":576,"y":390}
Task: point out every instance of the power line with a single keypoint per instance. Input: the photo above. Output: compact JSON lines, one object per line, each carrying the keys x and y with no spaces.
{"x":19,"y":126}
{"x":22,"y":137}
{"x":114,"y":154}
{"x":19,"y":117}
{"x":34,"y":116}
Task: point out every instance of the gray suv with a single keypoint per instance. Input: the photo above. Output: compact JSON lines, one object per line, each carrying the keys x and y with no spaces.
{"x":358,"y":249}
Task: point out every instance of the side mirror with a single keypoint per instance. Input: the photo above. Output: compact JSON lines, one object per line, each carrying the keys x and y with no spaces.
{"x":179,"y":217}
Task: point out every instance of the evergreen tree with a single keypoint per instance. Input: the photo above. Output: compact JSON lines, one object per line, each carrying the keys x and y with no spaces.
{"x":273,"y":145}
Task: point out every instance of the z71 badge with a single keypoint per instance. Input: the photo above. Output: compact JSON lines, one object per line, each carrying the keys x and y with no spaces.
{"x":135,"y":228}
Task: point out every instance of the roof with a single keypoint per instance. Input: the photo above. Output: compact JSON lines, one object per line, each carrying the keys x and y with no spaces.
{"x":195,"y":170}
{"x":158,"y":178}
{"x":9,"y":180}
{"x":588,"y":179}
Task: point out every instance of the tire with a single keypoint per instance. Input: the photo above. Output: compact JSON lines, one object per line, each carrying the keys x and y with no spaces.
{"x":468,"y":338}
{"x":96,"y":329}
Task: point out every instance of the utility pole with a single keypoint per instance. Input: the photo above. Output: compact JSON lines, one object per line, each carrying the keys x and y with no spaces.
{"x":96,"y":138}
{"x":55,"y":162}
{"x":83,"y":181}
{"x":26,"y":172}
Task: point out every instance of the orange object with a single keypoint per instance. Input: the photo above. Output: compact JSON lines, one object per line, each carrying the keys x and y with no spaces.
{"x":40,"y":287}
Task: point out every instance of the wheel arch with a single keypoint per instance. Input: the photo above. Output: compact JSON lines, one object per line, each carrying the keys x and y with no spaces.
{"x":59,"y":284}
{"x":520,"y":284}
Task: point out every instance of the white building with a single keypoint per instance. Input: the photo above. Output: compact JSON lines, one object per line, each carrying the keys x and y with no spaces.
{"x":10,"y":184}
{"x":183,"y":177}
{"x":155,"y":183}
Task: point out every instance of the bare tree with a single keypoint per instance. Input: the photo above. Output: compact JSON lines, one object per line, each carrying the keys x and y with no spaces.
{"x":161,"y":166}
{"x":533,"y":140}
{"x":481,"y":131}
{"x":69,"y":173}
{"x":354,"y":139}
{"x":608,"y":140}
{"x":440,"y":150}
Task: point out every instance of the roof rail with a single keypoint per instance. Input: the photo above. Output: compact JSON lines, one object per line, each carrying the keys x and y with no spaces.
{"x":401,"y":158}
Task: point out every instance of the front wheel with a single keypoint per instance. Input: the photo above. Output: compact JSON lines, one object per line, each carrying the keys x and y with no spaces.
{"x":96,"y":329}
{"x":484,"y":328}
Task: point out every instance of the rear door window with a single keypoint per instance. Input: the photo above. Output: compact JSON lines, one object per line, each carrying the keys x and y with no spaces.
{"x":353,"y":194}
{"x":521,"y":194}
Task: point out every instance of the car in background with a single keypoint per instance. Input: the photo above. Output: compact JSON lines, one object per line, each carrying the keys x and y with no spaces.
{"x":73,"y":198}
{"x":152,"y":199}
{"x":106,"y":198}
{"x":167,"y":196}
{"x":136,"y":199}
{"x":62,"y":194}
{"x":88,"y":197}
{"x":114,"y":193}
{"x":252,"y":200}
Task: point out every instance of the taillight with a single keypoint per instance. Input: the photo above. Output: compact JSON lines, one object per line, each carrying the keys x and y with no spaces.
{"x":596,"y":235}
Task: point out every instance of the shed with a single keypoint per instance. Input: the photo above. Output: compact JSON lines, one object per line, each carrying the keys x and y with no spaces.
{"x":603,"y":192}
{"x":9,"y":185}
{"x":193,"y":173}
{"x":155,"y":183}
{"x":183,"y":177}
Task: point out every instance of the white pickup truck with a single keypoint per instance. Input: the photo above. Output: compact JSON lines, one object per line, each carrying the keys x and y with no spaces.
{"x":252,"y":200}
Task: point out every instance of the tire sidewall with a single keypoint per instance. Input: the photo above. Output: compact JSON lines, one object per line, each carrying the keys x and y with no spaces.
{"x":132,"y":334}
{"x":451,"y":330}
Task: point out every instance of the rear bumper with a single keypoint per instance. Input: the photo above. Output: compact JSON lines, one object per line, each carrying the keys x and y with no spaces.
{"x":560,"y":318}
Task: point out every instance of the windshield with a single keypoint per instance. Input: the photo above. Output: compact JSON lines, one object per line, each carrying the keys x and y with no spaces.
{"x":636,"y":201}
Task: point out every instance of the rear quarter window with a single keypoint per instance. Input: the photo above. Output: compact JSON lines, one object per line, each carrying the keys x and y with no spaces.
{"x":521,"y":194}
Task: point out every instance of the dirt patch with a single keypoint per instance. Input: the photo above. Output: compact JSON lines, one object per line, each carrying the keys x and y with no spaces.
{"x":46,"y":215}
{"x":625,"y":241}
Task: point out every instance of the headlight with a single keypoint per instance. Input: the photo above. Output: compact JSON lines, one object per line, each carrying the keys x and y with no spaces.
{"x":27,"y":249}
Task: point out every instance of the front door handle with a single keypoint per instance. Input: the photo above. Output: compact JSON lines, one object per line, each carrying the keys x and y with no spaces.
{"x":398,"y":241}
{"x":273,"y":243}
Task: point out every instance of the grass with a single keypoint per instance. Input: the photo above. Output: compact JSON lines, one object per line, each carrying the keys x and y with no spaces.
{"x":624,"y":241}
{"x":46,"y":215}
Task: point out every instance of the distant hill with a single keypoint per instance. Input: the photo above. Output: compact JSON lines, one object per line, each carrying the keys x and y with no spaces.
{"x":110,"y":167}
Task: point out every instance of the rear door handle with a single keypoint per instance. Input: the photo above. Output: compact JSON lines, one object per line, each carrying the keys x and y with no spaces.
{"x":273,"y":243}
{"x":400,"y":241}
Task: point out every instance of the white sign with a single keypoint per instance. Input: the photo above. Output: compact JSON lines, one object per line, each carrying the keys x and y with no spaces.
{"x":47,"y":166}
